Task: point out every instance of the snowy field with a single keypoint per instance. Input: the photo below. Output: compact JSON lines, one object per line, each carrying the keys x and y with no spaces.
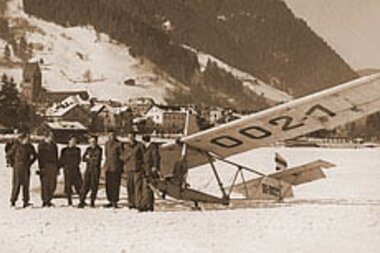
{"x":338,"y":214}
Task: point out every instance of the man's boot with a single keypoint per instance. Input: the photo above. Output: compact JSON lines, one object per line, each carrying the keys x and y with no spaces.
{"x":26,"y":204}
{"x":109,"y":205}
{"x":81,"y":205}
{"x":92,"y":203}
{"x":70,"y":202}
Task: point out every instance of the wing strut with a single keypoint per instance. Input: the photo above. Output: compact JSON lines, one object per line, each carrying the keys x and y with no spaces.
{"x":211,"y":161}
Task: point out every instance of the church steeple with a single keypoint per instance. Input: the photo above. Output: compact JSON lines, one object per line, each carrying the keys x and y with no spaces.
{"x":32,"y":82}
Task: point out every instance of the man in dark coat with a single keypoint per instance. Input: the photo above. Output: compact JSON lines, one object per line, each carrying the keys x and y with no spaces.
{"x":70,"y":161}
{"x":8,"y":147}
{"x":180,"y":173}
{"x":21,"y":156}
{"x":93,"y":158}
{"x":152,"y":161}
{"x":114,"y":168}
{"x":48,"y":165}
{"x":134,"y":164}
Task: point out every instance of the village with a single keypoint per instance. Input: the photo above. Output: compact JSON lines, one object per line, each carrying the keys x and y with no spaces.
{"x":67,"y":113}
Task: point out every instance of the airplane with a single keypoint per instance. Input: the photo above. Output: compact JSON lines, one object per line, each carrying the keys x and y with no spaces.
{"x":326,"y":109}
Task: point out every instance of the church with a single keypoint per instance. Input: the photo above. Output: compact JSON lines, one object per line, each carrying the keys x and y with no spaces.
{"x":33,"y":92}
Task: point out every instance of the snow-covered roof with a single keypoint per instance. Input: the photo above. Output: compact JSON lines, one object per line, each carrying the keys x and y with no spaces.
{"x":111,"y":109}
{"x":97,"y":108}
{"x":69,"y":103}
{"x":119,"y":110}
{"x":66,"y":125}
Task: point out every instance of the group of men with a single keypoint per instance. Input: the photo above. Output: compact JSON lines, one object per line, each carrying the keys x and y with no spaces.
{"x":140,"y":160}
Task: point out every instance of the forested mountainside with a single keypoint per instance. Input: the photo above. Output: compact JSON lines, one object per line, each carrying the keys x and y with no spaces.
{"x":261,"y":37}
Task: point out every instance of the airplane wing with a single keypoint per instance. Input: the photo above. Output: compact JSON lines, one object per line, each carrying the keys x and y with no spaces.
{"x":327,"y":109}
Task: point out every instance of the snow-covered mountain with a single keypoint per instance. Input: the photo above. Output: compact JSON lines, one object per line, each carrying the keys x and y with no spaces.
{"x":80,"y":58}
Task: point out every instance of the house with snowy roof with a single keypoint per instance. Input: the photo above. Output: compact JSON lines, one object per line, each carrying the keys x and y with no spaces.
{"x":63,"y":130}
{"x":73,"y":109}
{"x":106,"y":117}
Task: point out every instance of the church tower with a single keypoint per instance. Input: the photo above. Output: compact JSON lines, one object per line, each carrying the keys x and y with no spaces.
{"x":32,"y":82}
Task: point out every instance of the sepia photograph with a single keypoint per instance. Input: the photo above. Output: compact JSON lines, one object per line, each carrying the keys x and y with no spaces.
{"x":182,"y":126}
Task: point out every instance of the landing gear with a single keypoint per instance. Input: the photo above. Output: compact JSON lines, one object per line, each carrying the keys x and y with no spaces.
{"x":196,"y":206}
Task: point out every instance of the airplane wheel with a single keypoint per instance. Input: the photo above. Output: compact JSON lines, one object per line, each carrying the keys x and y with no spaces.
{"x":196,"y":207}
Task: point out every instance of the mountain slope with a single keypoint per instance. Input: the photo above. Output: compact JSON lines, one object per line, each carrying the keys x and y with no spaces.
{"x":79,"y":58}
{"x":76,"y":58}
{"x":260,"y":37}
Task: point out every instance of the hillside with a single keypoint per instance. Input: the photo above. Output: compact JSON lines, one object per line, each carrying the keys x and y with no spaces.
{"x":79,"y":57}
{"x":262,"y":38}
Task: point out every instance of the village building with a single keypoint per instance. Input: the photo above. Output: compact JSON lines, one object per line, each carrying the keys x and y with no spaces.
{"x":54,"y":96}
{"x":63,"y":130}
{"x":214,"y":114}
{"x":106,"y":117}
{"x":172,"y":119}
{"x":140,"y":106}
{"x":72,"y":108}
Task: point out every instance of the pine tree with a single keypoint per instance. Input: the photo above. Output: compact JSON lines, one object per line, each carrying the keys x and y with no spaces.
{"x":14,"y":113}
{"x":4,"y":78}
{"x":9,"y":104}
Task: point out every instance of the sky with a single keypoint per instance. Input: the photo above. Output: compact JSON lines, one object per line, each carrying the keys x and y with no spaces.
{"x":351,"y":27}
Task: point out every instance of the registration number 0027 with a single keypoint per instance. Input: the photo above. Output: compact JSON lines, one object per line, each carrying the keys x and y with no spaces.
{"x":284,"y":122}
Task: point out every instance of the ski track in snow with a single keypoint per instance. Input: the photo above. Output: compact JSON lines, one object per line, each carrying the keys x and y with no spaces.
{"x":338,"y":214}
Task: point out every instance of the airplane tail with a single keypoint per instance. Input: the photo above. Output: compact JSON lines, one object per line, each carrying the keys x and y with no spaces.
{"x":278,"y":185}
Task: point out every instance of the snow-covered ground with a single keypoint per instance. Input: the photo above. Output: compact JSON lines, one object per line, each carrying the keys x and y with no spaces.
{"x":338,"y":214}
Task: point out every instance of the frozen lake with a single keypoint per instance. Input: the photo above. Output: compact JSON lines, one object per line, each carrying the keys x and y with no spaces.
{"x":338,"y":214}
